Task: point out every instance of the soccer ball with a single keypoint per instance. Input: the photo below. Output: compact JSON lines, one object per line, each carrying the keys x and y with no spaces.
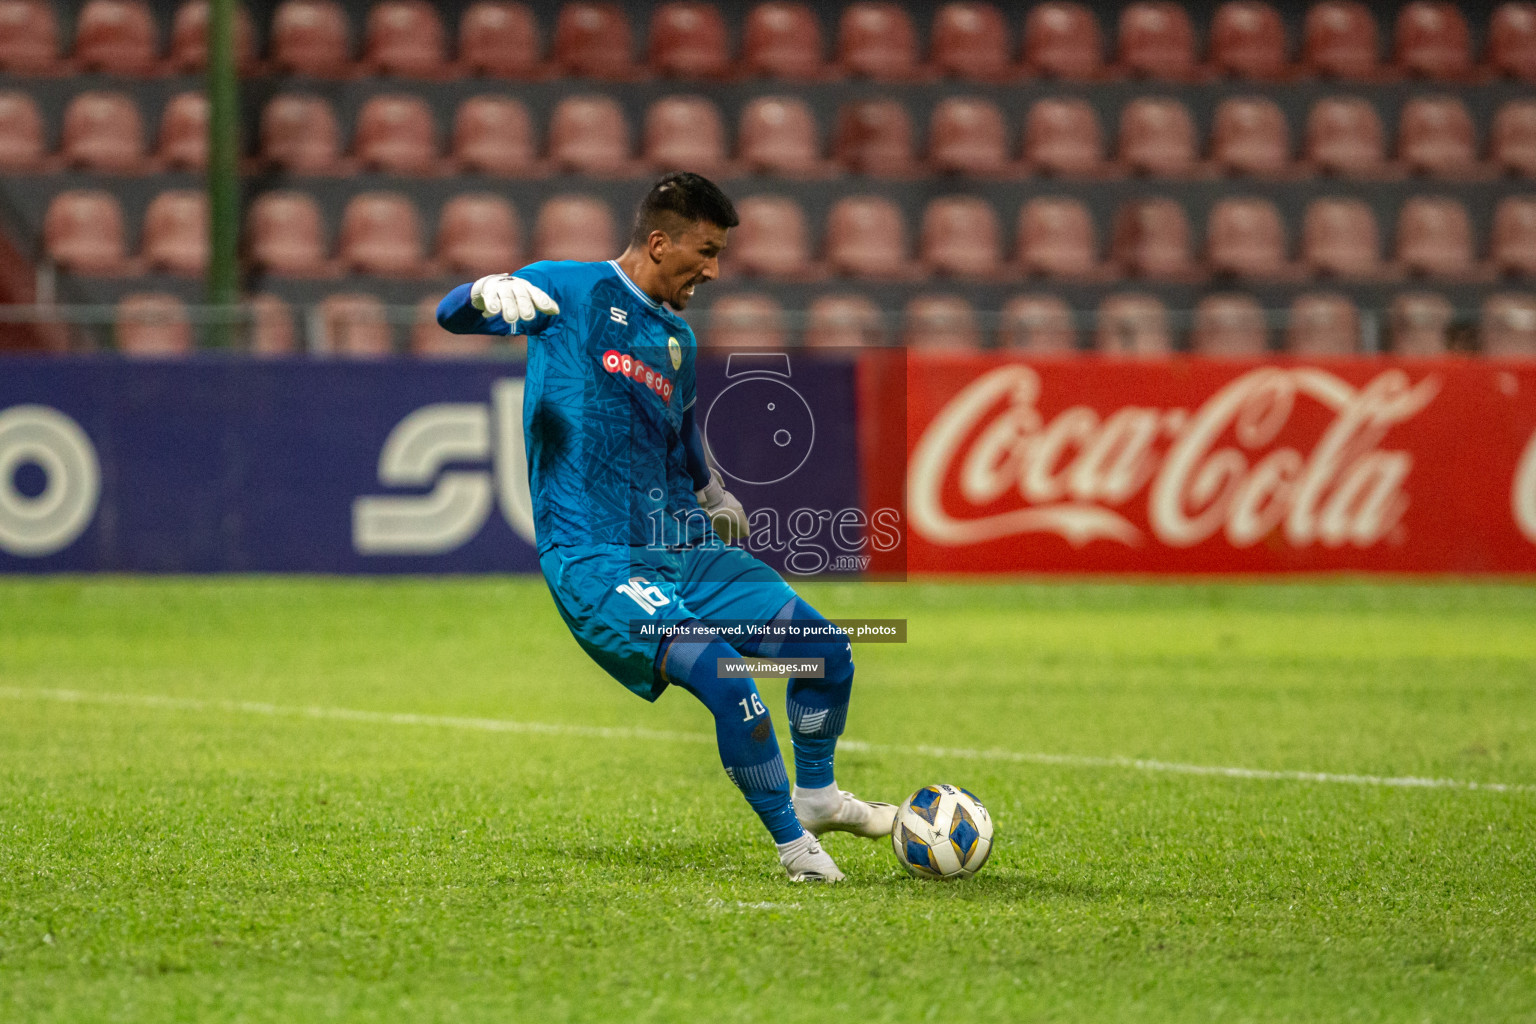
{"x":942,"y":831}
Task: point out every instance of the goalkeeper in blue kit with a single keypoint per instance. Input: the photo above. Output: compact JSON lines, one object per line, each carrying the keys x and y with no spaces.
{"x":627,"y":510}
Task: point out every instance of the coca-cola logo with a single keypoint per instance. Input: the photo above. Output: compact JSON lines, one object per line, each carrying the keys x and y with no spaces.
{"x":1523,"y":497}
{"x":1215,"y":470}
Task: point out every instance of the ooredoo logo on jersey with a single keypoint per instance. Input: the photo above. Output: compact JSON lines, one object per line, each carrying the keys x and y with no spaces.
{"x":628,"y":366}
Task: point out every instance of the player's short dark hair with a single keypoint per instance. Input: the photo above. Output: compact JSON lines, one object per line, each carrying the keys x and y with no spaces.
{"x":680,"y":199}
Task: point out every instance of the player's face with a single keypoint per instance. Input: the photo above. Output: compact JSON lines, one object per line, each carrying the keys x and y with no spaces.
{"x":689,"y":260}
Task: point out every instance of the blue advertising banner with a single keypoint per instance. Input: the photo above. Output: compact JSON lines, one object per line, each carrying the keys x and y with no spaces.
{"x":231,"y":465}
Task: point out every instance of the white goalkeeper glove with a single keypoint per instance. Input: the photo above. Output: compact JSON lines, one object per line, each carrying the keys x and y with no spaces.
{"x":512,"y":297}
{"x":725,"y":513}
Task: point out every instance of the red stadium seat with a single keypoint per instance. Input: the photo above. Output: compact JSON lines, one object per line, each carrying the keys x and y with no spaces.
{"x":684,"y":133}
{"x":22,"y":141}
{"x":480,"y":234}
{"x":83,"y":233}
{"x":1512,"y":250}
{"x":1156,"y":40}
{"x":1434,"y":238}
{"x":271,"y":328}
{"x":355,"y":325}
{"x":405,"y":38}
{"x":1056,"y":238}
{"x":1340,"y":238}
{"x":494,"y":135}
{"x":1248,"y":41}
{"x":1157,"y":138}
{"x":593,"y":40}
{"x":1435,"y":137}
{"x":1246,"y":238}
{"x":1062,"y":40}
{"x":299,"y":134}
{"x":1419,"y":325}
{"x":746,"y":321}
{"x":968,"y":136}
{"x":1250,"y":137}
{"x":1038,"y":325}
{"x":189,"y":39}
{"x":311,"y":37}
{"x":777,"y":136}
{"x":782,"y":40}
{"x":1432,"y":41}
{"x":1507,"y":328}
{"x":183,"y":141}
{"x":1152,"y":240}
{"x":1062,"y":137}
{"x":1345,"y":136}
{"x":1512,"y":146}
{"x":1322,"y":324}
{"x":1340,"y":40}
{"x":285,"y":235}
{"x":103,"y":132}
{"x":843,"y":321}
{"x":971,"y":41}
{"x":395,"y":134}
{"x":1133,"y":325}
{"x":477,"y":234}
{"x":500,"y":40}
{"x":772,"y":239}
{"x":689,"y":40}
{"x":176,"y":233}
{"x":877,"y":41}
{"x":940,"y":322}
{"x":430,"y":341}
{"x":117,"y":37}
{"x":575,"y":228}
{"x":29,"y":37}
{"x":867,"y":237}
{"x":153,"y":325}
{"x":874,"y":137}
{"x":380,"y":234}
{"x":960,"y":237}
{"x":1229,"y":326}
{"x":588,"y":135}
{"x":1512,"y":41}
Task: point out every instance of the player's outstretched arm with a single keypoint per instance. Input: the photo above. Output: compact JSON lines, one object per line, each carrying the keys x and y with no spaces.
{"x":497,"y":304}
{"x":726,"y":514}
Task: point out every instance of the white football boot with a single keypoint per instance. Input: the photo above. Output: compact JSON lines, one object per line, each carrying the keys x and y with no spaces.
{"x":836,"y":810}
{"x":806,"y":861}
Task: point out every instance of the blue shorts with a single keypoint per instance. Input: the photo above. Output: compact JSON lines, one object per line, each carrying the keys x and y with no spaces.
{"x":603,"y":591}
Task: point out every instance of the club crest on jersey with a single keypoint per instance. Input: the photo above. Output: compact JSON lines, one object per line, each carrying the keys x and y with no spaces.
{"x":675,"y":350}
{"x":635,"y":370}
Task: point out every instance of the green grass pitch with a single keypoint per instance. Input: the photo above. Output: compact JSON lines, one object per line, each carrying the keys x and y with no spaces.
{"x":179,"y":840}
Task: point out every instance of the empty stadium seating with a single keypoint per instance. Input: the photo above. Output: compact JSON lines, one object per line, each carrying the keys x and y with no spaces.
{"x":1322,"y":324}
{"x":1229,"y":325}
{"x":153,"y":325}
{"x":974,"y":144}
{"x":773,"y":239}
{"x":1037,"y":325}
{"x":1133,"y":325}
{"x":1418,"y":324}
{"x":23,"y":142}
{"x":843,"y":321}
{"x":499,"y":40}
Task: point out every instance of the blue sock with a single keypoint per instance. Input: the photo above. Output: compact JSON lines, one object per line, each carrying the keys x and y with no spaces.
{"x":818,"y":708}
{"x":743,"y":729}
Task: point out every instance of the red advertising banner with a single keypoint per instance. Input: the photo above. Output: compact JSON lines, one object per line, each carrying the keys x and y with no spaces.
{"x":1209,"y":466}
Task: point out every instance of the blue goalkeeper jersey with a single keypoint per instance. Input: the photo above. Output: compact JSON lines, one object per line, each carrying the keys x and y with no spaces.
{"x":608,"y":380}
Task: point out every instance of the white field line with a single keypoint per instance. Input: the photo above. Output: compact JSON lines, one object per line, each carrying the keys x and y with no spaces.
{"x":628,"y":733}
